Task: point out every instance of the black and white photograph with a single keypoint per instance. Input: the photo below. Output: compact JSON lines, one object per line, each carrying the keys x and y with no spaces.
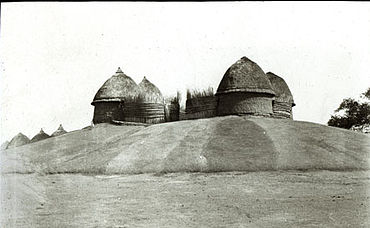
{"x":184,"y":114}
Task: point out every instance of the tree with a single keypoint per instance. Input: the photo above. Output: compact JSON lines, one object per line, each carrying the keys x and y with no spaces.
{"x":355,"y":112}
{"x":367,"y":94}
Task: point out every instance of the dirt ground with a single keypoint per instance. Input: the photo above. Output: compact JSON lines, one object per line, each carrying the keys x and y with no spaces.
{"x":226,"y":199}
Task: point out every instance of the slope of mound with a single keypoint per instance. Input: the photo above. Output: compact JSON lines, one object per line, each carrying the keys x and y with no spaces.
{"x":217,"y":144}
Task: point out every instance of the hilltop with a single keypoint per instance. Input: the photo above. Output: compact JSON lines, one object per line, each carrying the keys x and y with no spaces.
{"x":230,"y":143}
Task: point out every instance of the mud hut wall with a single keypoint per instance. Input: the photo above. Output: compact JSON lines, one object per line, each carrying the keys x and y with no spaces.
{"x":105,"y":112}
{"x":201,"y":107}
{"x":239,"y":103}
{"x":282,"y":110}
{"x":144,"y":112}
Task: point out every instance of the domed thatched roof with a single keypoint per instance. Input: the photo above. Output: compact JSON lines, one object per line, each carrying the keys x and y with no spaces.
{"x":59,"y":131}
{"x":18,"y":140}
{"x":117,"y":88}
{"x":245,"y":76}
{"x":149,"y":92}
{"x":40,"y":136}
{"x":281,"y":89}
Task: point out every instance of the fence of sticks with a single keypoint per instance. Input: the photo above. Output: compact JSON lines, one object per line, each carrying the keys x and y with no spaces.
{"x":201,"y":104}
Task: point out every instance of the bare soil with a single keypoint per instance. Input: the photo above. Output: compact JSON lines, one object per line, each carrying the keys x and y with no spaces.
{"x":224,"y":199}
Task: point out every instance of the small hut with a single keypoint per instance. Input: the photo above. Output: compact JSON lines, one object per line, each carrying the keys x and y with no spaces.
{"x":59,"y":131}
{"x":149,"y":106}
{"x":18,"y":140}
{"x":245,"y":89}
{"x":110,"y":98}
{"x":283,"y":103}
{"x":40,"y":136}
{"x":200,"y":104}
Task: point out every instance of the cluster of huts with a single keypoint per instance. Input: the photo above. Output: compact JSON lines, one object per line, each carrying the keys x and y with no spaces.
{"x":244,"y":90}
{"x":20,"y":139}
{"x":121,"y":99}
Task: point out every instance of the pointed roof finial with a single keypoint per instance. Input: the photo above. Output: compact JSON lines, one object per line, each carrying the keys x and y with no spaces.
{"x":119,"y":71}
{"x":41,"y":131}
{"x":60,"y":127}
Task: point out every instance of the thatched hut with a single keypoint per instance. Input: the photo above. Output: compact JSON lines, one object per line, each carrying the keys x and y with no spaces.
{"x":200,"y":104}
{"x":149,"y":105}
{"x":109,"y":99}
{"x":40,"y":136}
{"x":283,"y":102}
{"x":245,"y":89}
{"x":18,"y":140}
{"x":59,"y":131}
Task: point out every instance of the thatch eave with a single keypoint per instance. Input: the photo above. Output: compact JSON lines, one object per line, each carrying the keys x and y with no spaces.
{"x":107,"y":100}
{"x":246,"y":90}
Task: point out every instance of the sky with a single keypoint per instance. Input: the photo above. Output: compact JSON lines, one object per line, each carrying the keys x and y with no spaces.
{"x":55,"y":56}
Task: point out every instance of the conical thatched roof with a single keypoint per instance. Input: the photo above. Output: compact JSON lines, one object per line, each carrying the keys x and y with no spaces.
{"x":245,"y":76}
{"x":59,"y":131}
{"x":4,"y":145}
{"x":18,"y":140}
{"x":40,"y":136}
{"x":117,"y":88}
{"x":149,"y":92}
{"x":281,"y":89}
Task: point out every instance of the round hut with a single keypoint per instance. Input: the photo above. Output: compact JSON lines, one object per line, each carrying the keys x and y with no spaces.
{"x":18,"y":140}
{"x":283,"y":103}
{"x":149,"y":107}
{"x":108,"y":101}
{"x":40,"y":136}
{"x":59,"y":131}
{"x":245,"y":89}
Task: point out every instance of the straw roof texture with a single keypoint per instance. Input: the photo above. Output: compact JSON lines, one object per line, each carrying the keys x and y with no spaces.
{"x":148,"y":92}
{"x":117,"y":88}
{"x":245,"y":76}
{"x":281,"y":89}
{"x":18,"y":140}
{"x":40,"y":136}
{"x":59,"y":131}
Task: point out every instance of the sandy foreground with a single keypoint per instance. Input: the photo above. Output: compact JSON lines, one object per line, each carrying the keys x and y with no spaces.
{"x":225,"y":199}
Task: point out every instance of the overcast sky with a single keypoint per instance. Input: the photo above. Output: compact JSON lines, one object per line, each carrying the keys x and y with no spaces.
{"x":55,"y":56}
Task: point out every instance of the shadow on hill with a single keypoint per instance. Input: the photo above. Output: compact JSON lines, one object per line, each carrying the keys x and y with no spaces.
{"x":208,"y":145}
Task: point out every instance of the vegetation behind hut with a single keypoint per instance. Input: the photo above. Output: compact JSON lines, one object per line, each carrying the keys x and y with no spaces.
{"x":172,"y":107}
{"x":352,"y":112}
{"x":197,"y":93}
{"x":200,"y":103}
